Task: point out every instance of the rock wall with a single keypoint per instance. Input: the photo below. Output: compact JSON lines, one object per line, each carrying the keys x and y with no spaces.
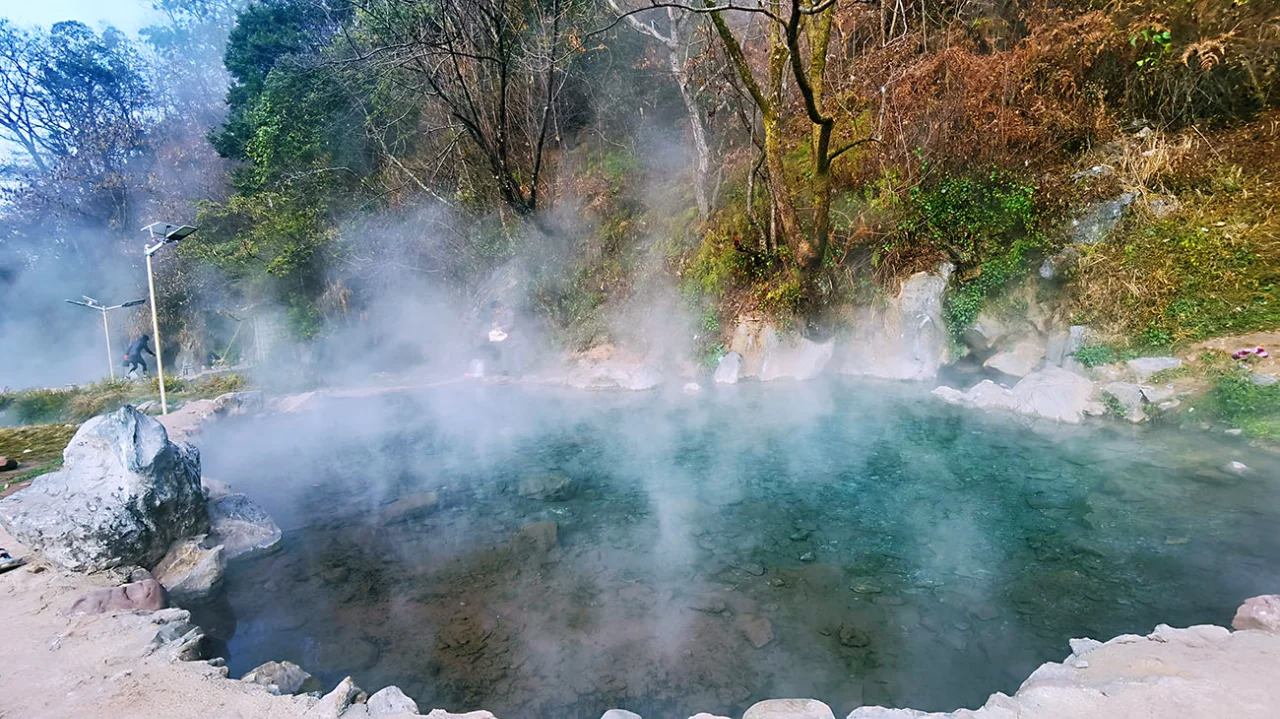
{"x":904,"y":338}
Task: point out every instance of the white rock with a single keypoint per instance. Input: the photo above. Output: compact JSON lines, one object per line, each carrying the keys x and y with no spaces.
{"x":1051,"y":393}
{"x":442,"y":714}
{"x":190,"y":570}
{"x":333,"y":704}
{"x":767,"y":355}
{"x":884,"y":713}
{"x":691,"y":388}
{"x":1156,"y":395}
{"x":789,"y":709}
{"x":390,"y":701}
{"x":1236,"y":468}
{"x":986,"y":332}
{"x":281,"y":678}
{"x":1144,"y":367}
{"x":728,"y":368}
{"x":705,"y":715}
{"x":1081,"y":647}
{"x":1020,"y":360}
{"x":620,"y":714}
{"x":905,"y":338}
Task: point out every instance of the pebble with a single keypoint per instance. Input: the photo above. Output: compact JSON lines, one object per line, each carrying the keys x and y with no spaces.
{"x":866,"y":588}
{"x":752,"y":569}
{"x":800,"y":535}
{"x":807,"y":557}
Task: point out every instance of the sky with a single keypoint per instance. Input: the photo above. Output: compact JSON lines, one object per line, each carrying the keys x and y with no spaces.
{"x":127,"y":15}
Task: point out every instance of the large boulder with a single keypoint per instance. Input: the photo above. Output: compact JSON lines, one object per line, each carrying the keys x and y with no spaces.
{"x":1051,"y":393}
{"x":767,"y":355}
{"x":243,"y":528}
{"x":728,"y":369}
{"x":1260,"y":613}
{"x":191,"y":570}
{"x":124,"y":495}
{"x":904,"y":338}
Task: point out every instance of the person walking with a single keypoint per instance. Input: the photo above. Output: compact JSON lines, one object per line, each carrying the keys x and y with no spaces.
{"x":133,"y":355}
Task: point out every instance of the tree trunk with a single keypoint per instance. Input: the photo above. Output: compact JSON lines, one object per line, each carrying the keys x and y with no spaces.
{"x":702,"y":190}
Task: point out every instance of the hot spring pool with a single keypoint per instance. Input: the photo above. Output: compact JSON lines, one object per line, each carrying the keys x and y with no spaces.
{"x":542,"y":553}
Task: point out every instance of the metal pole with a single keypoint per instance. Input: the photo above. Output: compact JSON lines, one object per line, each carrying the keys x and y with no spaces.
{"x":155,"y":327}
{"x":107,"y":332}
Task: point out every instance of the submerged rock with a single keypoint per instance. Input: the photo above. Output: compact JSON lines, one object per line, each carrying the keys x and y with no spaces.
{"x":411,"y":505}
{"x":551,"y":486}
{"x":282,"y":678}
{"x":535,"y":539}
{"x":906,"y":338}
{"x":191,"y":570}
{"x":789,"y":709}
{"x":241,"y":526}
{"x":390,"y":701}
{"x":1261,"y":613}
{"x":146,"y":595}
{"x":853,"y":637}
{"x":728,"y":368}
{"x":757,"y":629}
{"x":442,"y":714}
{"x":620,"y":714}
{"x":124,"y":495}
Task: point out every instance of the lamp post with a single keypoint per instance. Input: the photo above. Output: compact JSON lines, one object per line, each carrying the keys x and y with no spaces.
{"x":161,"y":233}
{"x":93,"y":304}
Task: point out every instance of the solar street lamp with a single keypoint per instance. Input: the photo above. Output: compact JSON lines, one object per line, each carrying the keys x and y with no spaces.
{"x":161,"y":234}
{"x":93,"y":304}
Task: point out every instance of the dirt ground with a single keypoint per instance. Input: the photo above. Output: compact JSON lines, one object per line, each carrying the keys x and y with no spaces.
{"x":104,"y":667}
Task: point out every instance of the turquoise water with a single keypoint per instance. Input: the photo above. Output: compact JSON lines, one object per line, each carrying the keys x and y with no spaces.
{"x":891,"y":549}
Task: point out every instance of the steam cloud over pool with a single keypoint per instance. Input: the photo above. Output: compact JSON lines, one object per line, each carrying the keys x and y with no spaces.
{"x":540,"y":553}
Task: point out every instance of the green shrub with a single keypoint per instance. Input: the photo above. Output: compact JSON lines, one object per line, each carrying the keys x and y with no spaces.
{"x":1095,"y":355}
{"x":987,"y":226}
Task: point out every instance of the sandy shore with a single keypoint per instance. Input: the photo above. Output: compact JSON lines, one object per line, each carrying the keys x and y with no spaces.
{"x":105,"y":666}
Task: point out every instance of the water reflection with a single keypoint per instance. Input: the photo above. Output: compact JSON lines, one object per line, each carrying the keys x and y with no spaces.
{"x":546,"y":554}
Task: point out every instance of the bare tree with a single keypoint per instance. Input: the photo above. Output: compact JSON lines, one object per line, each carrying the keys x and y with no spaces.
{"x":678,"y":41}
{"x":785,"y":20}
{"x":495,"y":67}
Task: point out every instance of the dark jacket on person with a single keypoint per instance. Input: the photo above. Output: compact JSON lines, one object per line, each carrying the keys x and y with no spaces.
{"x":138,"y":346}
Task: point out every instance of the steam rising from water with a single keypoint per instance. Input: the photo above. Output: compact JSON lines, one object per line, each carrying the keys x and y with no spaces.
{"x":899,"y":551}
